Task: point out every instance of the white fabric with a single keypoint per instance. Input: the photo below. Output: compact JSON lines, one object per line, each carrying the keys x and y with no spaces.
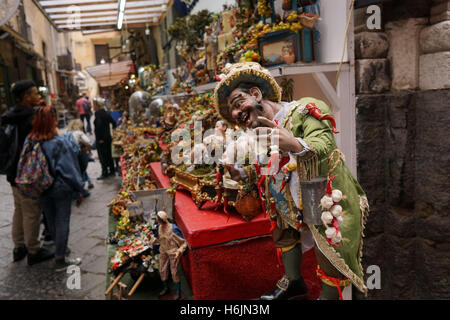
{"x":81,"y":137}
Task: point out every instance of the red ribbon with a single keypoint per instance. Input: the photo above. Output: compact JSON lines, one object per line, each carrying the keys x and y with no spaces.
{"x":329,"y":189}
{"x":283,"y":183}
{"x":332,"y":243}
{"x":316,"y":113}
{"x":279,"y":254}
{"x":335,"y":281}
{"x":273,"y":225}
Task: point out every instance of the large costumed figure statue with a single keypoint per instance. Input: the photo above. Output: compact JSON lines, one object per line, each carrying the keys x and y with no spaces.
{"x":303,"y":151}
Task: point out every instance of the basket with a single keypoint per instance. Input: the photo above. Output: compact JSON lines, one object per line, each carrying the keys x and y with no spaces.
{"x":307,"y":21}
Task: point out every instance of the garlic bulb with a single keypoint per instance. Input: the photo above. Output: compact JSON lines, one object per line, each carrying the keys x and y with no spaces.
{"x":339,"y":220}
{"x":337,"y":237}
{"x":330,"y":232}
{"x":326,"y":202}
{"x":327,"y":217}
{"x":336,"y":210}
{"x":336,"y":195}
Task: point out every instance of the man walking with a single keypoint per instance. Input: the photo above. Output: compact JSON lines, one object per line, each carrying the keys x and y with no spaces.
{"x":103,"y":139}
{"x":84,"y":111}
{"x":27,"y":212}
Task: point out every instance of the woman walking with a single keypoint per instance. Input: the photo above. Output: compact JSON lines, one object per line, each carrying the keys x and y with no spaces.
{"x":82,"y":140}
{"x":63,"y":165}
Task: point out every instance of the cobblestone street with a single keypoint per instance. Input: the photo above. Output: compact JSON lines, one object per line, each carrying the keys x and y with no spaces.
{"x":88,"y":231}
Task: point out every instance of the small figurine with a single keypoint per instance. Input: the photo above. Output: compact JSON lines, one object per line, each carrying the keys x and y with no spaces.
{"x":170,"y":119}
{"x":171,"y":247}
{"x":210,"y":143}
{"x":211,"y":46}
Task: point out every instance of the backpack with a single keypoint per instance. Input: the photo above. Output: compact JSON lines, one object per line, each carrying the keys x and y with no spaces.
{"x":87,"y":107}
{"x":9,"y":145}
{"x":72,"y":143}
{"x":33,"y":174}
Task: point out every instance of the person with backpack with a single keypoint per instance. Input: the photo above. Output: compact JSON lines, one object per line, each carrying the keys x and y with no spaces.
{"x":103,"y":139}
{"x":84,"y":111}
{"x":16,"y":124}
{"x":63,"y":165}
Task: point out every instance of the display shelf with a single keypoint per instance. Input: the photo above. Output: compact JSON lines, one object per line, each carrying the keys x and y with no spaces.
{"x":278,"y":71}
{"x":305,"y":68}
{"x":206,"y":87}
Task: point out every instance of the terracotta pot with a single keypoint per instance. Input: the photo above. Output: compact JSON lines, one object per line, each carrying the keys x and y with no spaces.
{"x":248,"y":206}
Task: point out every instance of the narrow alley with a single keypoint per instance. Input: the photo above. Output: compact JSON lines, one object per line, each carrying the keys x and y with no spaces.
{"x":88,"y":232}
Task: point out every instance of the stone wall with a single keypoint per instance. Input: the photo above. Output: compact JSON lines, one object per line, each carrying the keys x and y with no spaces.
{"x":403,"y":165}
{"x":403,"y":152}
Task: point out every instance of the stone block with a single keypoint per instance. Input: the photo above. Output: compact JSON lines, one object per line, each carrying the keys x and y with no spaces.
{"x":435,"y":38}
{"x":435,"y":71}
{"x":372,"y":75}
{"x":400,"y":222}
{"x":440,"y":17}
{"x":371,"y":45}
{"x":401,"y":270}
{"x":432,"y":150}
{"x":438,"y":8}
{"x":435,"y":227}
{"x":440,"y":11}
{"x":375,"y":220}
{"x":433,"y":260}
{"x":404,"y":52}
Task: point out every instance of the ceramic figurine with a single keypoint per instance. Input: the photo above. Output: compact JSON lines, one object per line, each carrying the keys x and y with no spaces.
{"x":171,"y":247}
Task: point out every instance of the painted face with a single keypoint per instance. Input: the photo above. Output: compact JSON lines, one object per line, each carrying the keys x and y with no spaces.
{"x":244,"y":108}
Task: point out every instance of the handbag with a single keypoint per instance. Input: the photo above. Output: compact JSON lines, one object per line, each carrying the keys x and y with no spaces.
{"x":33,"y":174}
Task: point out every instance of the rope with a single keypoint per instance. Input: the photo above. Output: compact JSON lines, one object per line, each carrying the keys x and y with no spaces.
{"x":331,"y":159}
{"x":345,"y":41}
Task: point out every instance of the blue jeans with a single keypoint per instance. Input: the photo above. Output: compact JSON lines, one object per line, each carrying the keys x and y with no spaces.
{"x":57,"y":209}
{"x":85,"y":177}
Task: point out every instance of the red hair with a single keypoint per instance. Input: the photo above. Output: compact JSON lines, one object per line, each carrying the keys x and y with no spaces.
{"x":44,"y":124}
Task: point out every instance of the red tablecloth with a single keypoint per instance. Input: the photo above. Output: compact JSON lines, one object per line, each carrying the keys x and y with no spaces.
{"x":232,"y":259}
{"x":203,"y":227}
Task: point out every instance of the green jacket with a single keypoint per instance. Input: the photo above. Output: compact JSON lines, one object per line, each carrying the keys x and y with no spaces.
{"x":318,"y":135}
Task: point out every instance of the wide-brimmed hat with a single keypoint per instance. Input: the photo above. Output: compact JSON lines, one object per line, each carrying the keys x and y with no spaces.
{"x":248,"y":72}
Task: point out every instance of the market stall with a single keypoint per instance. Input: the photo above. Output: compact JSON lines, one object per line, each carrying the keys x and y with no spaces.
{"x":226,"y":247}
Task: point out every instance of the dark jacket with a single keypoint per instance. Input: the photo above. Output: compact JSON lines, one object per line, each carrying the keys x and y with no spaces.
{"x":23,"y":118}
{"x":101,"y":123}
{"x":63,"y":165}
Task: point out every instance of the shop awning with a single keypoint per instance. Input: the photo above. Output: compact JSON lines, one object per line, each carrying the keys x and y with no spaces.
{"x":109,"y":74}
{"x":94,"y":15}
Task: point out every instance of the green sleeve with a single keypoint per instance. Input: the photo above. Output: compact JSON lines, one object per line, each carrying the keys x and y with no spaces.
{"x":317,"y":134}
